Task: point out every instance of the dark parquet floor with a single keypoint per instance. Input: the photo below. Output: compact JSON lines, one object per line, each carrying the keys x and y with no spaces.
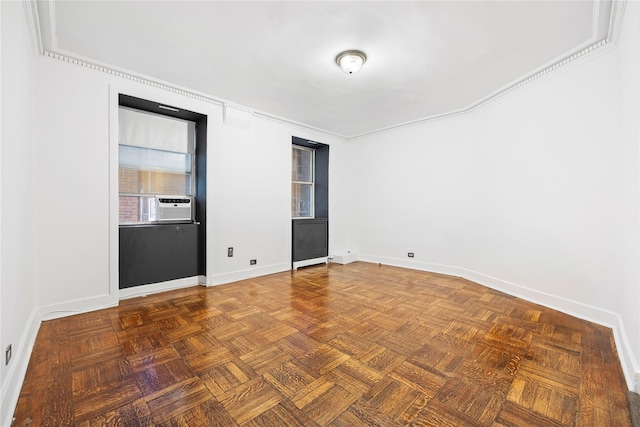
{"x":334,"y":345}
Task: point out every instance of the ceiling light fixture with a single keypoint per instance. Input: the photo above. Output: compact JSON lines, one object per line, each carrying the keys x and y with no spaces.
{"x":351,"y":60}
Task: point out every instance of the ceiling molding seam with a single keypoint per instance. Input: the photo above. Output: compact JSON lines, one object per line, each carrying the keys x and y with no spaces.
{"x":537,"y":75}
{"x":615,"y":20}
{"x":474,"y":107}
{"x":129,"y":76}
{"x":595,"y":23}
{"x":52,"y":35}
{"x":238,"y":107}
{"x":165,"y":86}
{"x":303,"y":126}
{"x":615,"y":23}
{"x":33,"y":24}
{"x":31,"y":11}
{"x":494,"y":97}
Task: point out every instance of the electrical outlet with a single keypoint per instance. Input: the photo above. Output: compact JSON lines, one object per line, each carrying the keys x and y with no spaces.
{"x":253,"y":262}
{"x":230,"y":252}
{"x":410,"y":254}
{"x":7,"y":355}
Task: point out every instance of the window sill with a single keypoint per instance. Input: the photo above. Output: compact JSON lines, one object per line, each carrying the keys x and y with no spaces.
{"x":156,"y":224}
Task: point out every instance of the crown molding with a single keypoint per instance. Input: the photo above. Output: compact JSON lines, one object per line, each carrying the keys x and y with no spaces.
{"x":131,"y":76}
{"x":595,"y":24}
{"x":615,"y":20}
{"x":33,"y":25}
{"x":616,"y":14}
{"x":615,"y":23}
{"x":491,"y":98}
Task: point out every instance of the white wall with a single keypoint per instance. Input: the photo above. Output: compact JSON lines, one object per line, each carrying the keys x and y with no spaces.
{"x":17,"y":280}
{"x":248,"y":185}
{"x":72,"y":183}
{"x":628,"y":79}
{"x":250,"y":200}
{"x":536,"y":194}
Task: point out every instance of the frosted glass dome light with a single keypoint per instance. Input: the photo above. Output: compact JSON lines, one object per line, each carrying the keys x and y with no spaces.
{"x":351,"y":61}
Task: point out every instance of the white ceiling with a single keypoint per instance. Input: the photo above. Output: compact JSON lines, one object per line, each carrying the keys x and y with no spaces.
{"x":425,"y":58}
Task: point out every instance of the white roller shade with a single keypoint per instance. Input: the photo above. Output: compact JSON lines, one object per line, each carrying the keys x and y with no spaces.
{"x":143,"y":129}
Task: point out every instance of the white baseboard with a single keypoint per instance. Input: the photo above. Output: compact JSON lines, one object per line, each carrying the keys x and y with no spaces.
{"x":308,"y":262}
{"x":221,"y":279}
{"x":582,"y":311}
{"x":154,"y":288}
{"x":629,"y":365}
{"x":22,"y":352}
{"x":78,"y":306}
{"x":12,"y":383}
{"x":344,"y":258}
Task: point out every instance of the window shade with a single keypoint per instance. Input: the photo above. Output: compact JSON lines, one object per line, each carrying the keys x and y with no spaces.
{"x":143,"y":129}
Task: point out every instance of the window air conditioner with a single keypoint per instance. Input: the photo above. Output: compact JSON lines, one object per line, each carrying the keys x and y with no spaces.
{"x":174,"y":208}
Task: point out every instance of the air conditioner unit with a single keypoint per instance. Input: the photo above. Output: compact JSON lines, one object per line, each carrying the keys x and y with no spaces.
{"x":174,"y":208}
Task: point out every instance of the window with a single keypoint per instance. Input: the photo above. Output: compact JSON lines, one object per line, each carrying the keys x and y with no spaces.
{"x":156,"y":157}
{"x":302,"y":182}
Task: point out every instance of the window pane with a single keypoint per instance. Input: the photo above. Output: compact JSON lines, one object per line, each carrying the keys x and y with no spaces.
{"x":301,"y":200}
{"x":148,"y":171}
{"x":166,"y":183}
{"x":150,"y":182}
{"x":302,"y":165}
{"x":150,"y":159}
{"x":156,"y":156}
{"x":134,"y":209}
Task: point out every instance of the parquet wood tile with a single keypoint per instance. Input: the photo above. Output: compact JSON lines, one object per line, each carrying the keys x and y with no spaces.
{"x":355,"y":376}
{"x":250,"y":399}
{"x":327,"y":406}
{"x":143,"y":360}
{"x":105,"y":398}
{"x":354,"y":345}
{"x":362,"y":414}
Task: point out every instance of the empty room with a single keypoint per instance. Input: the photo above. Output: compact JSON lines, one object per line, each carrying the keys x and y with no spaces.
{"x":320,"y":213}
